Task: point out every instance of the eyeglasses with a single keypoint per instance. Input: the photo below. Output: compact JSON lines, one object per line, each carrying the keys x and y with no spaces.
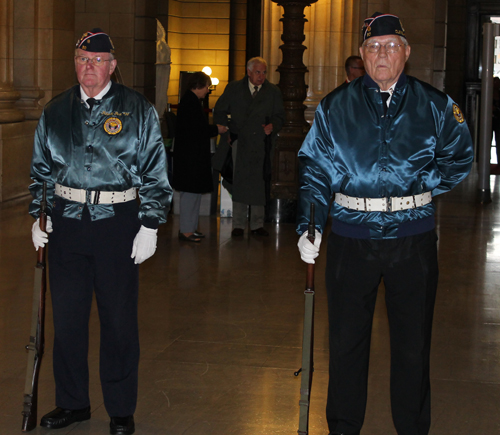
{"x":390,"y":47}
{"x":96,"y":61}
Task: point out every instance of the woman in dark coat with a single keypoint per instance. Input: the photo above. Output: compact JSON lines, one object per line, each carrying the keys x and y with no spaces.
{"x":192,"y":175}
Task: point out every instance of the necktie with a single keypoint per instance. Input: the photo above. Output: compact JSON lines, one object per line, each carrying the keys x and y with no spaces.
{"x":385,"y":96}
{"x":91,"y":102}
{"x":256,"y":89}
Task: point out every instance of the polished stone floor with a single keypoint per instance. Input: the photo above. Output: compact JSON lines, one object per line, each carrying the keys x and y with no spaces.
{"x":221,"y":331}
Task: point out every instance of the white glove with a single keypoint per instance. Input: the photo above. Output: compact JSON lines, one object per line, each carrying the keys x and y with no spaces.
{"x":144,"y":244}
{"x":38,"y":236}
{"x":308,"y":251}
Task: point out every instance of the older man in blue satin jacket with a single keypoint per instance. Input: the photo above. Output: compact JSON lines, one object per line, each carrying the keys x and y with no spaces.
{"x":97,"y":146}
{"x":382,"y":147}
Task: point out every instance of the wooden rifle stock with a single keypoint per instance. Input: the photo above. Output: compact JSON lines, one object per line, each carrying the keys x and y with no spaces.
{"x":35,"y":347}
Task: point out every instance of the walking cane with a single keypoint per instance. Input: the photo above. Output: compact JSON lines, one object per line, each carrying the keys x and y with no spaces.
{"x":307,"y":341}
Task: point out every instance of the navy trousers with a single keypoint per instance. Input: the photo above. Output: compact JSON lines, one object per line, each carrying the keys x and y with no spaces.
{"x":87,"y":256}
{"x":354,"y":271}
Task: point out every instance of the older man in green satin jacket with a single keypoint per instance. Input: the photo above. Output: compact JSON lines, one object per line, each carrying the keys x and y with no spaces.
{"x":97,"y":146}
{"x":381,"y":147}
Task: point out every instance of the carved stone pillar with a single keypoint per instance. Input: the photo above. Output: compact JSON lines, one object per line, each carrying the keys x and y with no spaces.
{"x":282,"y":207}
{"x":27,"y":35}
{"x":8,"y":96}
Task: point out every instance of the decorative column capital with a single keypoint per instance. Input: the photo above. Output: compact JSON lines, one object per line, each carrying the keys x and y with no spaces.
{"x":292,"y":69}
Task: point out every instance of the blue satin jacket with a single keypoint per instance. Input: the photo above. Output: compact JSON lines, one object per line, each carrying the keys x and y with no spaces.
{"x":423,"y":144}
{"x":117,"y":147}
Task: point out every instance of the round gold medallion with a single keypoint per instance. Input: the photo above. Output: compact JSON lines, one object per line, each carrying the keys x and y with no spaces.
{"x":113,"y":126}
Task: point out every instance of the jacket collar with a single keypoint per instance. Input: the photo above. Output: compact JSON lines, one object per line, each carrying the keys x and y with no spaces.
{"x":370,"y":83}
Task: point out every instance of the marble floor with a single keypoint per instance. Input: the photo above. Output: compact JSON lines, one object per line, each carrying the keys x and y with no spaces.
{"x":221,"y":331}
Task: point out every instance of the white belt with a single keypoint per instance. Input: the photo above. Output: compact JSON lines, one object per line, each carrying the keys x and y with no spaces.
{"x":383,"y":204}
{"x":95,"y":196}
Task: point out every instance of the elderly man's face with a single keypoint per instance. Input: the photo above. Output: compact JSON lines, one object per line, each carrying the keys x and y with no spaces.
{"x":384,"y":68}
{"x":257,"y":75}
{"x":94,"y":78}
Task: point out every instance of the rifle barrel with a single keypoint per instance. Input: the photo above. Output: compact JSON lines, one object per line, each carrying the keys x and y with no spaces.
{"x":35,"y":347}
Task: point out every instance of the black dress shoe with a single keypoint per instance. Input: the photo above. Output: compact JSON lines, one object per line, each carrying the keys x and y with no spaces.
{"x":199,"y":235}
{"x":60,"y":417}
{"x":260,"y":232}
{"x":237,"y":232}
{"x":122,"y":425}
{"x":191,"y":238}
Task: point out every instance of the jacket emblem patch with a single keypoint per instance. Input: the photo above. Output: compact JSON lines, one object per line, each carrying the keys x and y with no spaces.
{"x":457,"y":113}
{"x":113,"y":126}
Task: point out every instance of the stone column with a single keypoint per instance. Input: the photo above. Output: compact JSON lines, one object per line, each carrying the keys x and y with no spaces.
{"x":331,"y":35}
{"x":26,"y":46}
{"x":292,"y":70}
{"x":8,"y":96}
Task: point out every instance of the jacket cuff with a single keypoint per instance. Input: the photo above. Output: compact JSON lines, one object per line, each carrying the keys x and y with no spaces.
{"x":151,"y":223}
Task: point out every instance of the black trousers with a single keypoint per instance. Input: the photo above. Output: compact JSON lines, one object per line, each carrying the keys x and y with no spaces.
{"x":354,"y":271}
{"x":86,"y":256}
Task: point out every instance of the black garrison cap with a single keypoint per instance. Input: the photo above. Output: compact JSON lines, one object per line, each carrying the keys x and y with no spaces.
{"x":96,"y":41}
{"x":380,"y":24}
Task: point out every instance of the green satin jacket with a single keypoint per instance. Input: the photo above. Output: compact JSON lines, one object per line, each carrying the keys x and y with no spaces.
{"x":421,"y":145}
{"x":116,"y":147}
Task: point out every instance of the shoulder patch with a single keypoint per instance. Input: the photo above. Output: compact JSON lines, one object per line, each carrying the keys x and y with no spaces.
{"x":457,"y":113}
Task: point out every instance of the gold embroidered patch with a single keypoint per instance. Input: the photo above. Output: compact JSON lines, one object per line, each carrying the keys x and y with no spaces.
{"x":113,"y":126}
{"x":457,"y":113}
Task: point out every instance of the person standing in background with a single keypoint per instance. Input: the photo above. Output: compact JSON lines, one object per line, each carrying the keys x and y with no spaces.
{"x":354,"y":68}
{"x":255,"y":107}
{"x":192,"y":155}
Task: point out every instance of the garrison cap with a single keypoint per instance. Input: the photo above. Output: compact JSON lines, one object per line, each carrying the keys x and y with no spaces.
{"x":380,"y":24}
{"x":96,"y":41}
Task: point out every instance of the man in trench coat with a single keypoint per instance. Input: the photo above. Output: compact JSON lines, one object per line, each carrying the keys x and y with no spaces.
{"x":252,"y":108}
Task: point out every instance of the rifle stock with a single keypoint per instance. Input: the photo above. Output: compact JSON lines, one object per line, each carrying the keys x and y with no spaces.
{"x":35,"y":347}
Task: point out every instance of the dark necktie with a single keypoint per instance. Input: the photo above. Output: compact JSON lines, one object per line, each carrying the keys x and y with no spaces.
{"x":256,"y":89}
{"x":385,"y":96}
{"x":91,"y":102}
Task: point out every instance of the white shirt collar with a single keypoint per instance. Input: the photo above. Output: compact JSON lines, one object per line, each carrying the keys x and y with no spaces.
{"x":391,"y":91}
{"x":252,"y":87}
{"x":99,"y":96}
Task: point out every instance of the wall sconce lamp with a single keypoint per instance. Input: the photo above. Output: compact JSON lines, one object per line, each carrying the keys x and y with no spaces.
{"x":215,"y":81}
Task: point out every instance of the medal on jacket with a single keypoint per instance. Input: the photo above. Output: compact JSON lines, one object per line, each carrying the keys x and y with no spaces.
{"x":113,"y":126}
{"x":457,"y":113}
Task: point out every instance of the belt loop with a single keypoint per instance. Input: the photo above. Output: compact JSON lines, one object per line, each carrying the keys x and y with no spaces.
{"x":364,"y":201}
{"x":389,"y":204}
{"x":414,"y":201}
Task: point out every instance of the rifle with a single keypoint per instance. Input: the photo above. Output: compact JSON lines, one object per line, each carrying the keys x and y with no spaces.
{"x":36,"y":346}
{"x":307,"y":340}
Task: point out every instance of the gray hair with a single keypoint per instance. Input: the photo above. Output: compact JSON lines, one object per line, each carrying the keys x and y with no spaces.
{"x":255,"y":60}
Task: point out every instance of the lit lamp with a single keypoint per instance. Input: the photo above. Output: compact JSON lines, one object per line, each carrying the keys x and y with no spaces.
{"x":215,"y":81}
